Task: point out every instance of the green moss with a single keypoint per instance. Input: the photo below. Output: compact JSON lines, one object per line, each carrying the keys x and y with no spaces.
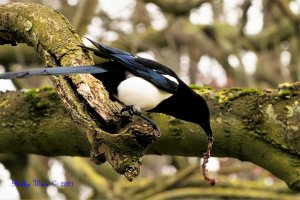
{"x":27,"y":25}
{"x":34,"y":97}
{"x":285,"y":93}
{"x":290,"y":111}
{"x":4,"y":103}
{"x":285,"y":86}
{"x":35,"y":93}
{"x":76,"y":79}
{"x":287,"y":90}
{"x":227,"y":95}
{"x":52,"y":94}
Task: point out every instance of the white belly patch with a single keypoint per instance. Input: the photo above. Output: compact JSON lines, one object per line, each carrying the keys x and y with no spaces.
{"x":139,"y":92}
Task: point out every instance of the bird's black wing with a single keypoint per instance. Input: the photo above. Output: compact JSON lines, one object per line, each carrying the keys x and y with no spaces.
{"x":149,"y":70}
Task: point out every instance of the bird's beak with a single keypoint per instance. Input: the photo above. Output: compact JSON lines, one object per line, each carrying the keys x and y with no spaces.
{"x":207,"y":129}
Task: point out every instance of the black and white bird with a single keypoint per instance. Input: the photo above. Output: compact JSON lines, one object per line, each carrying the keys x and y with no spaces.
{"x":139,"y":84}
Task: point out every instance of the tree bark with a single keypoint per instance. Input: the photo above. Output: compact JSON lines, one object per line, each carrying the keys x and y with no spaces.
{"x":84,"y":97}
{"x":252,"y":125}
{"x":259,"y":126}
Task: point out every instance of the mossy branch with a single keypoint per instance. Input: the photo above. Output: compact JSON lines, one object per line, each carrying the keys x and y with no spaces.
{"x":83,"y":96}
{"x":252,"y":125}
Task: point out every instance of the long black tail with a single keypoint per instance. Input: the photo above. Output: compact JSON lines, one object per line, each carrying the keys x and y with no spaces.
{"x":55,"y":71}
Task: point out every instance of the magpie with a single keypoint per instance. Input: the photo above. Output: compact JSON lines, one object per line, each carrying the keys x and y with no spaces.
{"x":141,"y":85}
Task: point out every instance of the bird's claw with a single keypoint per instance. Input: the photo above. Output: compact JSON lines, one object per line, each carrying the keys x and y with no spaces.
{"x":133,"y":110}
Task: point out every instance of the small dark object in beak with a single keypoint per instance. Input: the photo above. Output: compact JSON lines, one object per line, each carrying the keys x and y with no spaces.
{"x":210,"y":180}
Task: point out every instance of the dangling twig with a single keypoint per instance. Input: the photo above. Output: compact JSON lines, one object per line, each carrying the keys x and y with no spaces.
{"x":210,"y":180}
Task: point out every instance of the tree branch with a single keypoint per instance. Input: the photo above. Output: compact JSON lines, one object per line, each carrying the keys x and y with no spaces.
{"x":36,"y":122}
{"x":84,"y":97}
{"x":252,"y":125}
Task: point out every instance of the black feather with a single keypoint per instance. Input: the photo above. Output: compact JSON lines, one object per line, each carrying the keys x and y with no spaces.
{"x":138,"y":66}
{"x":55,"y":71}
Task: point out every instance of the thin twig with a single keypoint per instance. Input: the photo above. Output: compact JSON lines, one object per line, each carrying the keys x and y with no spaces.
{"x":210,"y":180}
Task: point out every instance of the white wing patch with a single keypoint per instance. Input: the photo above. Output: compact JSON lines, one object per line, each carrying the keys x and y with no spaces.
{"x":171,"y":78}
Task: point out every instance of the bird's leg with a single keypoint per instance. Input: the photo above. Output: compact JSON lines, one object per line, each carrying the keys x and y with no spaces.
{"x":153,"y":123}
{"x":211,"y":181}
{"x":133,"y":110}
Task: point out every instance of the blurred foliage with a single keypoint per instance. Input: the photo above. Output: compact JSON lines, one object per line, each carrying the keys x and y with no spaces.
{"x":172,"y":31}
